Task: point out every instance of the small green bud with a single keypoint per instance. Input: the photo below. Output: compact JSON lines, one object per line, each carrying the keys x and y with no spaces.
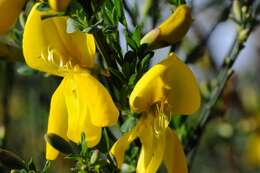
{"x":237,"y":10}
{"x":14,"y":171}
{"x":58,"y":143}
{"x":242,"y":35}
{"x":244,"y":9}
{"x":94,"y":156}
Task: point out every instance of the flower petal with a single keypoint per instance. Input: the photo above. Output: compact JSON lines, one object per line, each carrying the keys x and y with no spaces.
{"x":174,"y":157}
{"x":121,"y":145}
{"x":90,"y":107}
{"x":49,"y":48}
{"x":176,"y":26}
{"x":171,"y":30}
{"x":152,"y":151}
{"x":252,"y":154}
{"x":183,"y":93}
{"x":171,"y":81}
{"x":9,"y":12}
{"x":148,"y":90}
{"x":57,"y":119}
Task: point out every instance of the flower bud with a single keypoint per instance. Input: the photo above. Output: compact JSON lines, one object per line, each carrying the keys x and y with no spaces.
{"x":94,"y":156}
{"x":171,"y":30}
{"x":242,"y":35}
{"x":59,"y":5}
{"x":9,"y":11}
{"x":237,"y":10}
{"x":15,"y":171}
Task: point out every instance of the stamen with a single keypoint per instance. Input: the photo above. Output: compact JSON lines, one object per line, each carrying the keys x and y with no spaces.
{"x":54,"y":58}
{"x":161,"y":120}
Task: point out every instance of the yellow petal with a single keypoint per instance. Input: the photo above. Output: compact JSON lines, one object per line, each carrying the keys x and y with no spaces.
{"x":49,"y":48}
{"x":253,"y":150}
{"x":171,"y":30}
{"x":152,"y":150}
{"x":121,"y":145}
{"x":176,"y":26}
{"x":174,"y":157}
{"x":9,"y":12}
{"x":170,"y":81}
{"x":90,"y":107}
{"x":184,"y":94}
{"x":59,"y":5}
{"x":57,"y":119}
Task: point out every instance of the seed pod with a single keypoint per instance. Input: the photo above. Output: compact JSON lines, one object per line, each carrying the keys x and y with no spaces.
{"x":58,"y":143}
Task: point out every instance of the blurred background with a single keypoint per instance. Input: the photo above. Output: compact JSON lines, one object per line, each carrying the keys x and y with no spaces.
{"x":231,"y":140}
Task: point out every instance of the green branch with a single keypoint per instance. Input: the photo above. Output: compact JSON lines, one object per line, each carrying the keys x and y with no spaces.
{"x":245,"y":27}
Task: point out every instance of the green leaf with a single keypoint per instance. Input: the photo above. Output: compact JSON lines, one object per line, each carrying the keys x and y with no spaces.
{"x":130,"y":56}
{"x":31,"y":165}
{"x":129,"y":123}
{"x":94,"y":28}
{"x":136,"y":36}
{"x":177,"y":2}
{"x":117,"y":74}
{"x":146,"y":62}
{"x":46,"y":167}
{"x":133,"y":80}
{"x":120,"y":12}
{"x":109,"y":29}
{"x":83,"y":145}
{"x":131,"y":42}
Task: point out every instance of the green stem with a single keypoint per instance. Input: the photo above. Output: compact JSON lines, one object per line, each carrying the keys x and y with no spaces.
{"x":106,"y":139}
{"x":222,"y":79}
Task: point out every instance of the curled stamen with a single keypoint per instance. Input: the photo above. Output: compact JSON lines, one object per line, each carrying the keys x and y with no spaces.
{"x":54,"y":59}
{"x":161,"y":120}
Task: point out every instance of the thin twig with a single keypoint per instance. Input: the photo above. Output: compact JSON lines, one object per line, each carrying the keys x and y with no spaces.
{"x":222,"y":78}
{"x":195,"y":53}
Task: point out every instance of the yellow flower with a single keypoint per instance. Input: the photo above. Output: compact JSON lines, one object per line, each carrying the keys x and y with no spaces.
{"x":167,"y":88}
{"x":9,"y":11}
{"x":253,"y":150}
{"x":80,"y":103}
{"x":171,"y":30}
{"x":59,"y":5}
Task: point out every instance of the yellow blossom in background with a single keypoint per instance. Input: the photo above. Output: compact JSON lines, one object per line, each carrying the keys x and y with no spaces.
{"x":171,"y":30}
{"x":253,"y":150}
{"x":59,"y":5}
{"x":168,"y":88}
{"x":80,"y":103}
{"x":9,"y":12}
